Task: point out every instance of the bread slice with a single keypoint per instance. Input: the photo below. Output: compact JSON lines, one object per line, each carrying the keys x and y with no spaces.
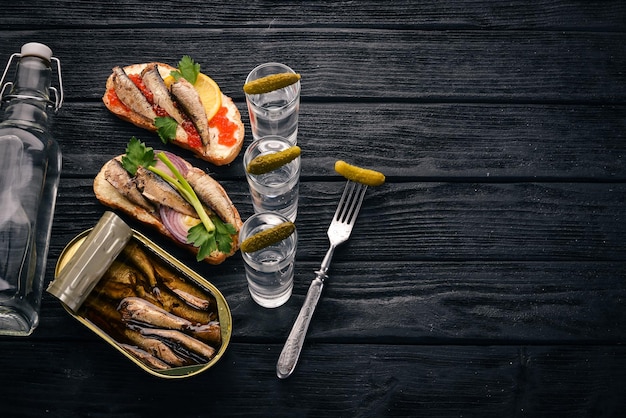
{"x":109,"y":196}
{"x":217,"y":154}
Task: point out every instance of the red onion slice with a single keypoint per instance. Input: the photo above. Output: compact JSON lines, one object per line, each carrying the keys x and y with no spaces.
{"x":177,"y":223}
{"x":179,"y":163}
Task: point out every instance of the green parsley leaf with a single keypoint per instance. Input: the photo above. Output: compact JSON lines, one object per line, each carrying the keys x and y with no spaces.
{"x":187,"y":69}
{"x":199,"y":237}
{"x":166,"y":128}
{"x":211,"y":234}
{"x":137,"y":154}
{"x":219,"y":240}
{"x":223,"y":234}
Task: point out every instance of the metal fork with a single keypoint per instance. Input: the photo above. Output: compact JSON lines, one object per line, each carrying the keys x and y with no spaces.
{"x":338,"y":233}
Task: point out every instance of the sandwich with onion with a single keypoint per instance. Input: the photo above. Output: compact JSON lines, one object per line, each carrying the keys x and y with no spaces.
{"x":166,"y":192}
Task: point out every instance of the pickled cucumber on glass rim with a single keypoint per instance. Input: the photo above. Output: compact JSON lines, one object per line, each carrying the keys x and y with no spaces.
{"x":359,"y":174}
{"x":270,"y":83}
{"x":267,"y":237}
{"x":270,"y":162}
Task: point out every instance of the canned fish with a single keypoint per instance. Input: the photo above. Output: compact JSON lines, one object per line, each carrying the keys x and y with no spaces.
{"x":152,"y":308}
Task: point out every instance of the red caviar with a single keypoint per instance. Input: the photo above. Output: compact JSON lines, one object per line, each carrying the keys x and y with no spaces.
{"x":115,"y":101}
{"x":220,"y":121}
{"x":138,"y":81}
{"x":226,"y":128}
{"x":193,"y":138}
{"x":136,"y":78}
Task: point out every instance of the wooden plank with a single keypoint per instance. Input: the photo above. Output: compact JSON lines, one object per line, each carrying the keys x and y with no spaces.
{"x":492,"y":262}
{"x":420,"y":303}
{"x":554,"y":15}
{"x":486,"y":278}
{"x":413,"y":141}
{"x":444,"y":66}
{"x":366,"y":380}
{"x":433,"y":221}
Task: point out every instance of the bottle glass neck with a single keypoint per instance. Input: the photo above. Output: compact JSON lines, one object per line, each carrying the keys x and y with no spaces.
{"x":27,"y":111}
{"x":32,"y":78}
{"x":30,"y":93}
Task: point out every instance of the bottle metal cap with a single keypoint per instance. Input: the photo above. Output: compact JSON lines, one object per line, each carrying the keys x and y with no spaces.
{"x":91,"y":260}
{"x":36,"y":49}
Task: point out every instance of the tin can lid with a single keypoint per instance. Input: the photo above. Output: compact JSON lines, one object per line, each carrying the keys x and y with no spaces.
{"x":91,"y":260}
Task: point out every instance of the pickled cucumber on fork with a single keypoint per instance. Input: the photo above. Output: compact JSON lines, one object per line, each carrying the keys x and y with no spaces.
{"x":359,"y":174}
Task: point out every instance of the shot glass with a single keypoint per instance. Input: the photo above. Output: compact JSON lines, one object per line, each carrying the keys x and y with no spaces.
{"x":275,"y":112}
{"x":269,"y":271}
{"x":276,"y":191}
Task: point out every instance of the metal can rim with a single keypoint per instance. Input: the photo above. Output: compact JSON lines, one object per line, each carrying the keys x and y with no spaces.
{"x":224,"y":313}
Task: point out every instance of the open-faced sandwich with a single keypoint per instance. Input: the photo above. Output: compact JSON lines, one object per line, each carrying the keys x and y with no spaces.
{"x":166,"y":192}
{"x":183,"y":105}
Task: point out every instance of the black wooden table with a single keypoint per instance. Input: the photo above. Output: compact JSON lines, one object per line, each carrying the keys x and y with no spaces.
{"x":486,"y":278}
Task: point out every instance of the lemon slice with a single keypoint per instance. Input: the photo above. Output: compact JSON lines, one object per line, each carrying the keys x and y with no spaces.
{"x":270,"y":162}
{"x":267,"y":237}
{"x":210,"y":95}
{"x":168,"y":81}
{"x":270,"y":83}
{"x":358,"y":174}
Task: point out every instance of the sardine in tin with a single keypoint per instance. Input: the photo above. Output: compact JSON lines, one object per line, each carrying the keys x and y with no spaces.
{"x":94,"y":286}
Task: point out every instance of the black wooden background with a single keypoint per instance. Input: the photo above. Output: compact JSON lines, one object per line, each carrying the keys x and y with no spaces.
{"x":486,"y":278}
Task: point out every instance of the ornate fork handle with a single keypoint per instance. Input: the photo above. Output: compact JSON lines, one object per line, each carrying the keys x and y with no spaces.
{"x":293,"y":346}
{"x":338,"y":232}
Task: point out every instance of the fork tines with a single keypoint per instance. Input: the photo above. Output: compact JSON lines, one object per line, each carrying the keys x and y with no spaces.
{"x":350,"y":202}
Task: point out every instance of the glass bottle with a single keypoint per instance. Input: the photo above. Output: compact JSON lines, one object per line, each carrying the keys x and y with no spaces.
{"x":30,"y":164}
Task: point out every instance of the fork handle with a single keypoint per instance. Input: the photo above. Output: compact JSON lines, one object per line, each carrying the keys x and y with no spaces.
{"x":293,"y":346}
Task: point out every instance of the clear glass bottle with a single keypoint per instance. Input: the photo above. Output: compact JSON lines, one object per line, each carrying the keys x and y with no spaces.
{"x":30,"y":164}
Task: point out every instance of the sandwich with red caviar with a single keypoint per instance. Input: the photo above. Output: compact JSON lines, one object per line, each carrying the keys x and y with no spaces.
{"x":183,"y":105}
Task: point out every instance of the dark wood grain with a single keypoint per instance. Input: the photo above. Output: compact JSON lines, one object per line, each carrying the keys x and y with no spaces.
{"x":442,"y":281}
{"x":435,"y":221}
{"x":432,"y":14}
{"x":405,"y":141}
{"x":486,"y":278}
{"x":432,"y":303}
{"x":486,"y":381}
{"x":385,"y":66}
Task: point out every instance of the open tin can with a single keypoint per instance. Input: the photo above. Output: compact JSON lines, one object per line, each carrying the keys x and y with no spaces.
{"x":156,"y":311}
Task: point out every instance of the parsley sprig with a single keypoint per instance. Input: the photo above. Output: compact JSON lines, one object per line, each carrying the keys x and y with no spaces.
{"x":187,"y":69}
{"x":166,"y":128}
{"x":211,"y":233}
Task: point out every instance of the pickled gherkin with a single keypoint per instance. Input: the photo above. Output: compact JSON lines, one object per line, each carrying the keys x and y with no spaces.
{"x":359,"y":175}
{"x":267,"y":237}
{"x":270,"y":83}
{"x":270,"y":162}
